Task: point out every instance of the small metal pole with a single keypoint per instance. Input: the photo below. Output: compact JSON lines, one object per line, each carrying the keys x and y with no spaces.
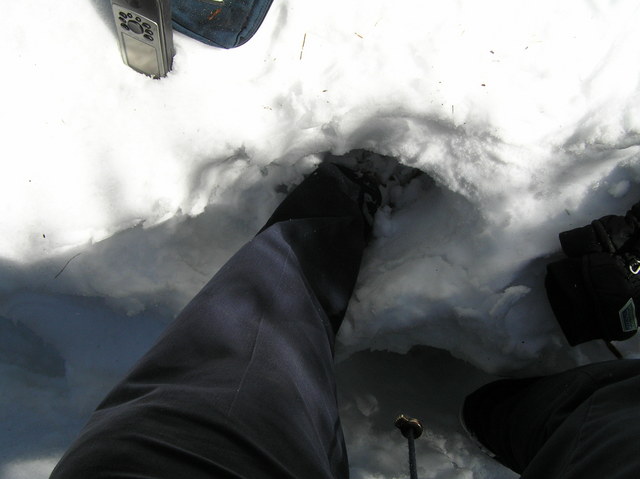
{"x":411,"y":428}
{"x":413,"y":469}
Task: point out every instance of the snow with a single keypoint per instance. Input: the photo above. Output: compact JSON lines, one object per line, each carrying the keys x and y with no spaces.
{"x":122,"y":195}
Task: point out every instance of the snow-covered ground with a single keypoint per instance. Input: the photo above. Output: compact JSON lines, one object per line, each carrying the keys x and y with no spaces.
{"x":121,"y":196}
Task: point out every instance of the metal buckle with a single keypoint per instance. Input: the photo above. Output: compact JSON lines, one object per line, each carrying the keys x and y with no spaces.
{"x":634,"y":266}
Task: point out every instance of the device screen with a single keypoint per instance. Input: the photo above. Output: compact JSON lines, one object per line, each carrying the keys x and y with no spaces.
{"x":141,"y":56}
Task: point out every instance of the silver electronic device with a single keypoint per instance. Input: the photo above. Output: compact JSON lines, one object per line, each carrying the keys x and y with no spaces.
{"x":145,"y":35}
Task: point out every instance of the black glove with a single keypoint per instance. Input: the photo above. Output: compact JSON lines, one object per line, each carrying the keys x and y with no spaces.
{"x":610,"y":234}
{"x":594,"y":292}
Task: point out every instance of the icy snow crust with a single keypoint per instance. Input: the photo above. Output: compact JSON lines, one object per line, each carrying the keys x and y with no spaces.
{"x":122,"y":195}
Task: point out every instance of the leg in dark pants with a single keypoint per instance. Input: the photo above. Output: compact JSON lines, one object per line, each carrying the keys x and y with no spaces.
{"x":242,"y":384}
{"x":583,"y":423}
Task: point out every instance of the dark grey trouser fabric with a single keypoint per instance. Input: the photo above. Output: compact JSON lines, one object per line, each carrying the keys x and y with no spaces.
{"x":580,"y":424}
{"x":241,"y":385}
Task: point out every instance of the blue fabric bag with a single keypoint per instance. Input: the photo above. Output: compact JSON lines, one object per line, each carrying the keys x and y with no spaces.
{"x":226,"y":24}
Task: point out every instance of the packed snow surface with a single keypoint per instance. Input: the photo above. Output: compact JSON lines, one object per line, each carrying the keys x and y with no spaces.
{"x":122,"y":195}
